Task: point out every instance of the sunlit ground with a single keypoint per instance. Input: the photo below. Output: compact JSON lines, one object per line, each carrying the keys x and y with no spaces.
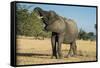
{"x":31,"y":51}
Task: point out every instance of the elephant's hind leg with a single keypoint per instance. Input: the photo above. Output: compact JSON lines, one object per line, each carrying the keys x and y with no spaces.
{"x":70,"y":53}
{"x":73,"y":50}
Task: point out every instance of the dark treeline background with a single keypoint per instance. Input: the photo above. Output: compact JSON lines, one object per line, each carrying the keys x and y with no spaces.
{"x":29,"y":25}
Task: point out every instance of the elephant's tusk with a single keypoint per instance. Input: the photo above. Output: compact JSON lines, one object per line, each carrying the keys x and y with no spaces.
{"x":40,"y":17}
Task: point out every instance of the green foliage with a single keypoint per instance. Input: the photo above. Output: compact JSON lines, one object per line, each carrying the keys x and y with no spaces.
{"x":29,"y":25}
{"x":86,"y":36}
{"x":21,"y":20}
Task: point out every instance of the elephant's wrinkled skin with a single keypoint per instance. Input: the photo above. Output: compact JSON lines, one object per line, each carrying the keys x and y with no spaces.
{"x":62,"y":30}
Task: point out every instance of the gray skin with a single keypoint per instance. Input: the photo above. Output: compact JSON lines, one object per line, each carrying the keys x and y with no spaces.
{"x":63,"y":30}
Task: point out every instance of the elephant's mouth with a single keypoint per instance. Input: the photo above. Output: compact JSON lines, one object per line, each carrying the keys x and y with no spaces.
{"x":45,"y":25}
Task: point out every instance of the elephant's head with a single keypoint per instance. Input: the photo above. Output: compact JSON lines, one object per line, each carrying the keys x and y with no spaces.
{"x":38,"y":11}
{"x":52,"y":21}
{"x":43,"y":15}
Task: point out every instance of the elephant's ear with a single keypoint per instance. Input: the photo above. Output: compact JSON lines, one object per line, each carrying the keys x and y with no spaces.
{"x":52,"y":15}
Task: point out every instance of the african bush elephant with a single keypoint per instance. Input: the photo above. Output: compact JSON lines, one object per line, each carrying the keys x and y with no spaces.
{"x":63,"y":30}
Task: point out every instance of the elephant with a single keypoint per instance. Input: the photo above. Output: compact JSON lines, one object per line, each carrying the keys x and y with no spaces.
{"x":63,"y":30}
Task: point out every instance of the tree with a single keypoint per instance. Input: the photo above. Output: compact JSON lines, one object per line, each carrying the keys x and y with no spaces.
{"x":85,"y":36}
{"x":91,"y":36}
{"x":81,"y":34}
{"x":21,"y":20}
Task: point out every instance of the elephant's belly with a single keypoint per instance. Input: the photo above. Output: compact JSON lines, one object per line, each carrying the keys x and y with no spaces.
{"x":68,"y":39}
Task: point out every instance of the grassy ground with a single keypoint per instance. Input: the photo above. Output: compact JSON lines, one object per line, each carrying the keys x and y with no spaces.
{"x":30,"y":51}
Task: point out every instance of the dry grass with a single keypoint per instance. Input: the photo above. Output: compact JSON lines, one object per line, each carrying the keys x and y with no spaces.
{"x":30,"y":51}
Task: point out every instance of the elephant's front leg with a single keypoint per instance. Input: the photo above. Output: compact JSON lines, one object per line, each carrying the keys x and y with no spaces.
{"x":59,"y":41}
{"x":53,"y":42}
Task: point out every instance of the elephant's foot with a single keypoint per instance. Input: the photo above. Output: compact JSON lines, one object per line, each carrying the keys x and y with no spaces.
{"x":52,"y":57}
{"x":67,"y":56}
{"x":59,"y":57}
{"x":71,"y":55}
{"x":56,"y":57}
{"x":74,"y":55}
